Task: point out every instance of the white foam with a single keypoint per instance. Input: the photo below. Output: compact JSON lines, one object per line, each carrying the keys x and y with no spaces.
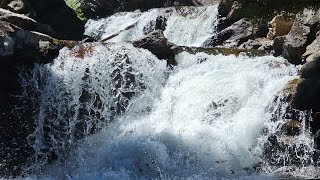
{"x":188,"y":26}
{"x":205,"y":124}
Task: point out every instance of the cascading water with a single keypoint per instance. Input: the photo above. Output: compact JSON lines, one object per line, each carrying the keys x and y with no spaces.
{"x":205,"y":123}
{"x":187,"y":26}
{"x":112,"y":111}
{"x":85,"y":89}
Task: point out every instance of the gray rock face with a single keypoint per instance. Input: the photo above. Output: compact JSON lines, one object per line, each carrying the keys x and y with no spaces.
{"x":233,"y":36}
{"x":296,"y":42}
{"x":313,"y":50}
{"x":259,"y":43}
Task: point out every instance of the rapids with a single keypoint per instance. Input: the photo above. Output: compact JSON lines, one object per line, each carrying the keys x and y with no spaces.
{"x":185,"y":26}
{"x":112,"y":111}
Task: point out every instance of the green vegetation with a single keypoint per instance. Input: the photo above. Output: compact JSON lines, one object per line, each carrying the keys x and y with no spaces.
{"x":75,"y":5}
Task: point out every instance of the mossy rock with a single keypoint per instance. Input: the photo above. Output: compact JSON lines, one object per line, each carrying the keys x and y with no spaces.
{"x":224,"y":51}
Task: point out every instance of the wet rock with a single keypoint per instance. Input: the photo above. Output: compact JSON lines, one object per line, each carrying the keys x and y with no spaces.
{"x":159,"y":24}
{"x":278,"y":43}
{"x":311,"y":70}
{"x":307,"y":95}
{"x":296,"y":42}
{"x":315,"y":128}
{"x":279,"y":26}
{"x":282,"y":145}
{"x":292,"y":128}
{"x":158,"y":45}
{"x":233,"y":36}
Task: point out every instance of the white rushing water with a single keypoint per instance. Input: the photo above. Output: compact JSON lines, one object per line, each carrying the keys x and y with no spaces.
{"x":83,"y":90}
{"x":112,"y":111}
{"x":185,"y":26}
{"x":205,"y":122}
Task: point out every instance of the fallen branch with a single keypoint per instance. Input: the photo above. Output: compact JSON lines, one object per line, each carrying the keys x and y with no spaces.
{"x":116,"y":34}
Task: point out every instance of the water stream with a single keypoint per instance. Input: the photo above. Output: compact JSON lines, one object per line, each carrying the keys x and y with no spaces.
{"x":112,"y":111}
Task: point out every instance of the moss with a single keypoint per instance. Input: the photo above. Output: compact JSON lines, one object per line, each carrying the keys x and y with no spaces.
{"x":75,"y":5}
{"x":225,"y":51}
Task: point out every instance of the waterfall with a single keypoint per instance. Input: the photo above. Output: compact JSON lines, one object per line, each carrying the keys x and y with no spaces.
{"x":205,"y":120}
{"x":112,"y":111}
{"x":83,"y":90}
{"x":187,"y":26}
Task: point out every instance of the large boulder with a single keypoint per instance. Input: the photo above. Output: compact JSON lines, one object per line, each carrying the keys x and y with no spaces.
{"x":158,"y":45}
{"x":311,"y":70}
{"x":53,"y":17}
{"x":280,"y":25}
{"x":233,"y":36}
{"x":296,"y":42}
{"x":307,"y":95}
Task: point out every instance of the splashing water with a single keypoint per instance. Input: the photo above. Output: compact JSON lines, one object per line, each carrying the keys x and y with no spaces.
{"x":112,"y":111}
{"x":83,"y":90}
{"x":185,"y":26}
{"x":205,"y":123}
